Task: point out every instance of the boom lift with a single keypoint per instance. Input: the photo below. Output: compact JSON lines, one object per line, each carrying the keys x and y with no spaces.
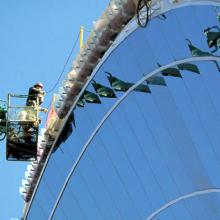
{"x":19,"y":125}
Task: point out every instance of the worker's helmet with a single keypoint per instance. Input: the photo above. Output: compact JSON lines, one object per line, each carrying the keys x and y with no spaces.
{"x":39,"y":84}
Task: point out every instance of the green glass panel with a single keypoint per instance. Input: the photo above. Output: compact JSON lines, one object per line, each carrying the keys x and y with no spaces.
{"x":197,"y":52}
{"x":142,"y":88}
{"x":218,"y":42}
{"x":103,"y":91}
{"x":189,"y":67}
{"x":91,"y":97}
{"x":212,"y":37}
{"x":80,"y":103}
{"x":156,"y":80}
{"x":119,"y":85}
{"x":174,"y":72}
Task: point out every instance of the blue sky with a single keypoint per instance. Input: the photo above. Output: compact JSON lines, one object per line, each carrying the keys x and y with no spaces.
{"x":35,"y":40}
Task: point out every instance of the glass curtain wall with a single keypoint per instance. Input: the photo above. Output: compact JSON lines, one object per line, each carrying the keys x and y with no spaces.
{"x":160,"y":143}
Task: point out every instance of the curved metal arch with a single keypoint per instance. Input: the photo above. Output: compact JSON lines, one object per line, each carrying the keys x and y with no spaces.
{"x":117,"y":42}
{"x":181,"y":198}
{"x":166,"y":7}
{"x":112,"y":109}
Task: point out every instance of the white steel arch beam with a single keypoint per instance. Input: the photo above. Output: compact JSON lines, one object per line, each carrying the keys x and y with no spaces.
{"x":181,"y":198}
{"x":165,"y":6}
{"x":159,"y":7}
{"x":112,"y":109}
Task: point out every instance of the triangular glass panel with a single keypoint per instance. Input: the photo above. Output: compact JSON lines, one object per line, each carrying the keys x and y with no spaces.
{"x":174,"y":72}
{"x":197,"y":52}
{"x":189,"y":67}
{"x":156,"y":80}
{"x":142,"y":88}
{"x":212,"y":37}
{"x":91,"y":97}
{"x":80,"y":103}
{"x":119,"y":85}
{"x":103,"y":91}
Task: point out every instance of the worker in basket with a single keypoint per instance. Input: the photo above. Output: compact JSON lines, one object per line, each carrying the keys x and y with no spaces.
{"x":34,"y":100}
{"x":22,"y":135}
{"x":35,"y":95}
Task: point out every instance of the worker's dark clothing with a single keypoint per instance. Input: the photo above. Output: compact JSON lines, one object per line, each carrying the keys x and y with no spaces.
{"x":35,"y":96}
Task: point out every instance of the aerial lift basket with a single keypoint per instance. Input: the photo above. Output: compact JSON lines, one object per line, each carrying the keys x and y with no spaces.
{"x":22,"y":125}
